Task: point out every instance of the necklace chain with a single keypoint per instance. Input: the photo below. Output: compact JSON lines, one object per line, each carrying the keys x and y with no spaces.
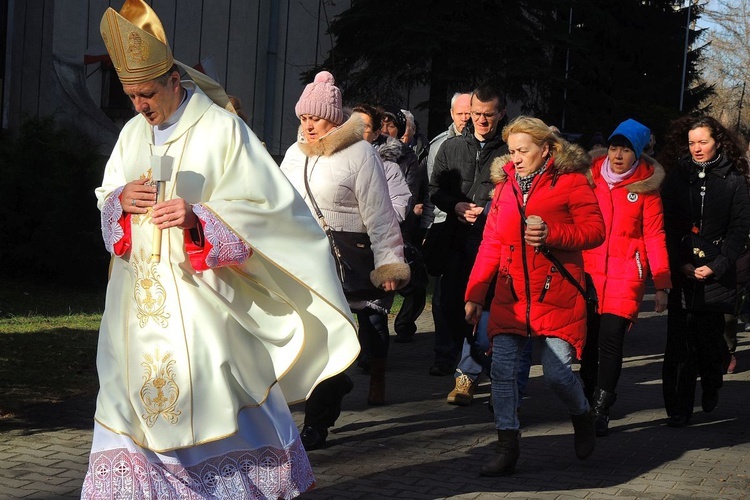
{"x":706,"y":164}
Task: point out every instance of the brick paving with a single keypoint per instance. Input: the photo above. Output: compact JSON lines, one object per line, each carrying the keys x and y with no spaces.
{"x":419,"y":447}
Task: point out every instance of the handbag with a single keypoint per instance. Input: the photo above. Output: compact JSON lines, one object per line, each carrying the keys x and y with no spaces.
{"x":588,"y":293}
{"x":702,"y":251}
{"x":353,"y":256}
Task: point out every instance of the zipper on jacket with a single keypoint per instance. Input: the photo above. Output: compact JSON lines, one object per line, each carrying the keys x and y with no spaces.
{"x":509,"y":281}
{"x":546,"y":287}
{"x":476,"y":172}
{"x":527,"y":284}
{"x":639,"y":264}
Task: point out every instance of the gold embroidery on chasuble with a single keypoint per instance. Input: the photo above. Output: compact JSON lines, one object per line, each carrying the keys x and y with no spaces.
{"x":141,"y":219}
{"x":150,"y":295}
{"x":159,"y":392}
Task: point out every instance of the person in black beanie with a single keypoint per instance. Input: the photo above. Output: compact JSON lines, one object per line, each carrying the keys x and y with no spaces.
{"x":394,"y":124}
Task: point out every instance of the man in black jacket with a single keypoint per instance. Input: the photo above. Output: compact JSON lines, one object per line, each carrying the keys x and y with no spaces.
{"x":460,"y":185}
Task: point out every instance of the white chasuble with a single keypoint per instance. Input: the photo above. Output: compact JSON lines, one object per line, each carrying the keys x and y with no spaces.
{"x":182,"y":353}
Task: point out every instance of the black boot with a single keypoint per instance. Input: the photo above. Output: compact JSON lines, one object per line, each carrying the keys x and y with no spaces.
{"x":508,"y":450}
{"x":602,"y":401}
{"x":313,"y":438}
{"x":584,"y":439}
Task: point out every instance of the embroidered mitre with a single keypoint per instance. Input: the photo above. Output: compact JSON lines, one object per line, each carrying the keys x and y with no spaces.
{"x":137,"y":44}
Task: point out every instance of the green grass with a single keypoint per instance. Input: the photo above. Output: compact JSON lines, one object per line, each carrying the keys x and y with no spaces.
{"x":48,"y":336}
{"x":48,"y":340}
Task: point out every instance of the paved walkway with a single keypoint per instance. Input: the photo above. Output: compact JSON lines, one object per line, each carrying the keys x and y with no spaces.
{"x":419,"y":447}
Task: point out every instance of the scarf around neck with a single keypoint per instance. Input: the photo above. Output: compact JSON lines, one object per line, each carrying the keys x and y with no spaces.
{"x":525,"y":182}
{"x":613,"y":178}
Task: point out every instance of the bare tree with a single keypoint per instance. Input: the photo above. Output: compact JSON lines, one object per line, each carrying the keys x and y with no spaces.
{"x":727,"y":62}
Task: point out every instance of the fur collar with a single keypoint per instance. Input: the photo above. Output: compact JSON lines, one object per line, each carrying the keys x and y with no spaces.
{"x":389,"y":148}
{"x":645,"y":185}
{"x":572,"y":158}
{"x":341,"y":137}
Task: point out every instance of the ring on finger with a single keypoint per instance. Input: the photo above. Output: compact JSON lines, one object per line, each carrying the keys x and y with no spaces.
{"x":132,"y":202}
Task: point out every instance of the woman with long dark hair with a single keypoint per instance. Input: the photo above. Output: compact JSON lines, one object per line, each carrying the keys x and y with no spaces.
{"x":707,"y":219}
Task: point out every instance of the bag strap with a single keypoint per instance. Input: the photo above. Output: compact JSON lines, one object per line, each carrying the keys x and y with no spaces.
{"x":547,"y":253}
{"x":564,"y":271}
{"x":324,"y":223}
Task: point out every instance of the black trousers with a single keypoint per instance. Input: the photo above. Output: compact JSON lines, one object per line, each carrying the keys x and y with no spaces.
{"x":405,"y":323}
{"x":601,"y":363}
{"x":324,"y":405}
{"x":373,"y":332}
{"x":693,"y":349}
{"x":448,"y":343}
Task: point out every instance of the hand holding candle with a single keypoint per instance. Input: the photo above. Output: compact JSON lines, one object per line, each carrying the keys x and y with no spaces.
{"x":161,"y":172}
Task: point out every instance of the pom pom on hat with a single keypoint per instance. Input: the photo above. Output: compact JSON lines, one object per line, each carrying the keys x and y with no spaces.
{"x":321,"y":98}
{"x":324,"y":77}
{"x":635,"y":133}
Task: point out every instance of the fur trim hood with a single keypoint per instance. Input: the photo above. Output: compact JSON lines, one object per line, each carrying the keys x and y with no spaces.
{"x":340,"y":138}
{"x":646,"y":185}
{"x":572,"y":158}
{"x":389,"y":148}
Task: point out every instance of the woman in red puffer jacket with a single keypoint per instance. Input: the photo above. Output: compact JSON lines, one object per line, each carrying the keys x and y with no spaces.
{"x":627,"y":187}
{"x":544,"y":178}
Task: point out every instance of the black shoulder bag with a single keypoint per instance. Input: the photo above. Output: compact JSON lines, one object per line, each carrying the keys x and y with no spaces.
{"x":353,"y":256}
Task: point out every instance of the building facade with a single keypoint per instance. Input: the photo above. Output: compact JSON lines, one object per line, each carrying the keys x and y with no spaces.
{"x":54,"y":61}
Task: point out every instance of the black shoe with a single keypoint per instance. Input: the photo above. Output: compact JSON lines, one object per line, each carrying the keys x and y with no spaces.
{"x":678,"y":421}
{"x":602,"y":425}
{"x":709,"y":400}
{"x":312,"y":438}
{"x":440,"y":370}
{"x":347,"y":386}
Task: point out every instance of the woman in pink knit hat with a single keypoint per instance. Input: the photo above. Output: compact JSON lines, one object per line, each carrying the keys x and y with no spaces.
{"x":346,"y":179}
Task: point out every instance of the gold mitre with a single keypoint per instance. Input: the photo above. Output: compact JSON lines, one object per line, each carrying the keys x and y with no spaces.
{"x":136,"y":42}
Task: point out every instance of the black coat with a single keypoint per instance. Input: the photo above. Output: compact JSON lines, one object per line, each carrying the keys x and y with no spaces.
{"x":462,"y":173}
{"x":725,"y":220}
{"x":462,"y":164}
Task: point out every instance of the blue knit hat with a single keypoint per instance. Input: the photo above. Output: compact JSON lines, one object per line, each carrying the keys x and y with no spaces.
{"x":636,"y":134}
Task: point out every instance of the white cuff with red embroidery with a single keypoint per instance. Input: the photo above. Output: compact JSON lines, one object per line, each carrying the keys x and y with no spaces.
{"x":111,"y":214}
{"x":228,"y":249}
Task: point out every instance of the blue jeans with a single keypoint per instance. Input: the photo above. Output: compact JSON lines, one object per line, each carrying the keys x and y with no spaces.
{"x":556,"y":356}
{"x":472,"y":368}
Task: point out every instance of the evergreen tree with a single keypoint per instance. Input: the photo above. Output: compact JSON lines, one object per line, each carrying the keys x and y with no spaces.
{"x":384,"y":48}
{"x":583,"y":65}
{"x":626,"y":60}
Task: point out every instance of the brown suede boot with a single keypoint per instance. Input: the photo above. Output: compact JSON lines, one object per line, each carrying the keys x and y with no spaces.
{"x":508,"y":450}
{"x":376,"y":397}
